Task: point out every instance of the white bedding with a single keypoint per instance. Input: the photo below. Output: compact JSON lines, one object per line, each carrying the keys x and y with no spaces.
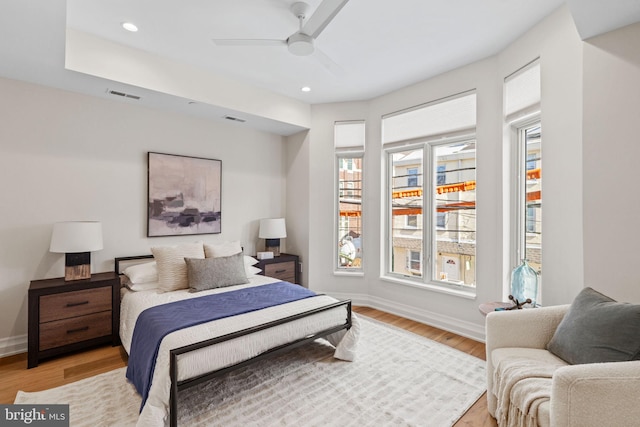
{"x":231,"y":352}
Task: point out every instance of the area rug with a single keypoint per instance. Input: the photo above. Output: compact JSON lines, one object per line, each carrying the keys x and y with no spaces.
{"x":398,"y":379}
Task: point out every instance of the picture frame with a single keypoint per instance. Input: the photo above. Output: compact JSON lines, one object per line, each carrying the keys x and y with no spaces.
{"x":184,"y":195}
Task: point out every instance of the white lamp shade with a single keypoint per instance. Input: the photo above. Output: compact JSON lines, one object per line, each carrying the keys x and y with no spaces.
{"x":272,"y":228}
{"x":76,"y":236}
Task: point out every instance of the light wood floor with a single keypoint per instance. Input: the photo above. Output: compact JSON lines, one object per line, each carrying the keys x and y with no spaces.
{"x":15,"y":376}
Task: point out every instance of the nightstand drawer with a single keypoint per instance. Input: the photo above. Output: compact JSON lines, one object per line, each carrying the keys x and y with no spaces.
{"x":73,"y":304}
{"x":282,"y":270}
{"x":76,"y":329}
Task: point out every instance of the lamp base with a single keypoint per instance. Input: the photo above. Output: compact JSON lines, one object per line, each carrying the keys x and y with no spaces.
{"x":77,"y":272}
{"x":77,"y":266}
{"x":272,"y":245}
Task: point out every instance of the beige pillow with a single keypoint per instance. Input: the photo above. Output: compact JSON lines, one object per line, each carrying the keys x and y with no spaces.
{"x":222,"y":249}
{"x":172,"y":269}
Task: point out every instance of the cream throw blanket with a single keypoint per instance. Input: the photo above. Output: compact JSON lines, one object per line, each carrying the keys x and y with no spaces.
{"x":521,"y":386}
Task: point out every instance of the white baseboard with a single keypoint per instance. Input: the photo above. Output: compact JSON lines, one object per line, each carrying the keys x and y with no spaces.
{"x":448,"y":323}
{"x":13,"y":345}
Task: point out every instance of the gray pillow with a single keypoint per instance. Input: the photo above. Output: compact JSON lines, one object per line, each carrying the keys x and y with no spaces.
{"x":597,"y":329}
{"x":210,"y":273}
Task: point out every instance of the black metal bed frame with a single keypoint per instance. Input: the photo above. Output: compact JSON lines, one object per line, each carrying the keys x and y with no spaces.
{"x":177,"y":386}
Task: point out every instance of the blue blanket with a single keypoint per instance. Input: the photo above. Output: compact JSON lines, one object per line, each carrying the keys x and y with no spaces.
{"x":155,"y":323}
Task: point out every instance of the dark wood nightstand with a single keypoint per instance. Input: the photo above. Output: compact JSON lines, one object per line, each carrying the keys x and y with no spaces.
{"x":74,"y":315}
{"x":284,"y":267}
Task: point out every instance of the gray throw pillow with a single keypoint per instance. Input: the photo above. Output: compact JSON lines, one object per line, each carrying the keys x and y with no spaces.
{"x":597,"y":329}
{"x":210,"y":273}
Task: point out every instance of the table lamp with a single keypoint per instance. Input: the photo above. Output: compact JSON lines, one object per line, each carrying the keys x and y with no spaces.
{"x":76,"y":239}
{"x":272,"y":230}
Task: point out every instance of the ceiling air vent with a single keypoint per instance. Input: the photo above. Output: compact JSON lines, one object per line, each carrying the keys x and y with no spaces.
{"x":122,"y":94}
{"x":235,"y":119}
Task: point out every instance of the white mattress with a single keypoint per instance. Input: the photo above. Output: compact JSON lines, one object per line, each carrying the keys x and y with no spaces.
{"x":230,"y":352}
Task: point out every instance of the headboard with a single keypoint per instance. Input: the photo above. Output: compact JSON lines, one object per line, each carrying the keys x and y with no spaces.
{"x":123,"y":262}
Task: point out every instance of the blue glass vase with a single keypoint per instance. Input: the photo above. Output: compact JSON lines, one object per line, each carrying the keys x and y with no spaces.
{"x":524,"y":284}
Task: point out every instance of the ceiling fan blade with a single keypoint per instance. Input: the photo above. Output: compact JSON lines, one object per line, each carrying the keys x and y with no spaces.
{"x":249,"y":42}
{"x":328,"y":63}
{"x":326,"y":11}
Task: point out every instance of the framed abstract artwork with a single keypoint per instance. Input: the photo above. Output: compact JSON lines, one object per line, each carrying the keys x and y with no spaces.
{"x":184,"y":195}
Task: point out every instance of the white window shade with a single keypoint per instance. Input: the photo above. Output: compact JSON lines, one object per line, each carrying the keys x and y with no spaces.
{"x":440,"y":117}
{"x":522,"y":90}
{"x":349,"y":135}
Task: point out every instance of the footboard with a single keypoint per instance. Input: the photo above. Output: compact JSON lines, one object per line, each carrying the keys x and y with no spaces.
{"x":177,"y":386}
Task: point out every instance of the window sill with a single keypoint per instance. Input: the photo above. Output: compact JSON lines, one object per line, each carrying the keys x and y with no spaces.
{"x":443,"y":289}
{"x":349,"y":273}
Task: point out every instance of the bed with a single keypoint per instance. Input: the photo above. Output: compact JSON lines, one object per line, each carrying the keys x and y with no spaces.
{"x":199,"y":353}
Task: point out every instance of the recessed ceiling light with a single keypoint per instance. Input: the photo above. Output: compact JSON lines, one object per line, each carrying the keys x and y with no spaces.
{"x":306,"y":89}
{"x":130,"y":27}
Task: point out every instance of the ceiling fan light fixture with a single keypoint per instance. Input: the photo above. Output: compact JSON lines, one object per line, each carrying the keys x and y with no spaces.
{"x":300,"y":44}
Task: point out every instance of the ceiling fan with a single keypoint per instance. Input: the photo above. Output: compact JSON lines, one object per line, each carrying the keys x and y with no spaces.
{"x":300,"y":43}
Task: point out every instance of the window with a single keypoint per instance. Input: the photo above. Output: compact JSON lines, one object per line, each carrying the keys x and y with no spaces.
{"x":406,"y":208}
{"x":349,"y":148}
{"x":415,"y":262}
{"x":431,"y":175}
{"x":346,"y":164}
{"x":530,"y":198}
{"x":412,"y":177}
{"x":455,"y":238}
{"x":522,"y":115}
{"x":442,"y":176}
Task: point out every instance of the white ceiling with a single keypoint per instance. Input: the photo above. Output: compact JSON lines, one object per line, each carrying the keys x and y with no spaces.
{"x":379,"y":46}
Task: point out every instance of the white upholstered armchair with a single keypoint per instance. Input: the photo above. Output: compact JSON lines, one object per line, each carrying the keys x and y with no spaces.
{"x":582,"y":395}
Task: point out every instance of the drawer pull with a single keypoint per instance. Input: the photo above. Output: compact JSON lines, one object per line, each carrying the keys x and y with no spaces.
{"x":84,"y":328}
{"x":280,"y":271}
{"x":74,"y":304}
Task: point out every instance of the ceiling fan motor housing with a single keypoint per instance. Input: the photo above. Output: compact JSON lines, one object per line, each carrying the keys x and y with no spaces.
{"x":300,"y":44}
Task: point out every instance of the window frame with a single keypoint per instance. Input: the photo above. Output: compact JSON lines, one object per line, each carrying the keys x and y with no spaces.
{"x":341,"y":158}
{"x":520,"y":166}
{"x":349,"y":144}
{"x":419,"y":259}
{"x":430,"y":172}
{"x":409,"y":224}
{"x":388,"y":197}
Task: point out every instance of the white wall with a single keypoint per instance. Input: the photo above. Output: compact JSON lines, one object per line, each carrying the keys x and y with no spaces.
{"x":86,"y":54}
{"x":556,"y":42}
{"x":322,"y":205}
{"x":611,"y":154}
{"x":66,"y":156}
{"x":439,"y":309}
{"x":298,"y":195}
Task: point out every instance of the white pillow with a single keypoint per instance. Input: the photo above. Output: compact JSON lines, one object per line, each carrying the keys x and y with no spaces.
{"x":142,"y":286}
{"x":250,"y":270}
{"x":222,"y":249}
{"x":249,"y":260}
{"x":172,"y":269}
{"x":142,"y":273}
